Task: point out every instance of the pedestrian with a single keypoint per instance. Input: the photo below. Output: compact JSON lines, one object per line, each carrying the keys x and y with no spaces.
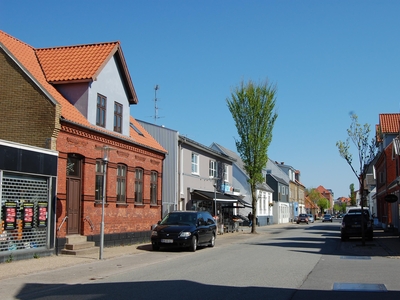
{"x":250,"y":216}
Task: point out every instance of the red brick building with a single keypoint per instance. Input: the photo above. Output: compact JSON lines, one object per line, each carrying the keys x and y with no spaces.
{"x":76,"y":100}
{"x":387,"y":168}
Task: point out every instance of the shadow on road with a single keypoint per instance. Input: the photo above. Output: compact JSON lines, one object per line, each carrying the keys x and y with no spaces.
{"x":183,"y":289}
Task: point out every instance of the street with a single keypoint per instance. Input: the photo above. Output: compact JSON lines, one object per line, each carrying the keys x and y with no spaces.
{"x":281,"y":262}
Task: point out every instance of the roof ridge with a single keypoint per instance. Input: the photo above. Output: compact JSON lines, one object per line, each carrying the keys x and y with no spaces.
{"x":79,"y":45}
{"x":16,"y":39}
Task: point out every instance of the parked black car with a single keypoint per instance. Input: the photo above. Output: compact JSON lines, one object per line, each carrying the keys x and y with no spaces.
{"x":186,"y":229}
{"x":351,"y":226}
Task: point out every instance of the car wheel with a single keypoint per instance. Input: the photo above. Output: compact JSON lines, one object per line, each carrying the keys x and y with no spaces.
{"x":212,"y":242}
{"x":193,"y":245}
{"x":155,"y":247}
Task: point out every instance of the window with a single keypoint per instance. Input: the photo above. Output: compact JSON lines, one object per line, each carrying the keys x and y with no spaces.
{"x":117,"y":117}
{"x":153,"y":187}
{"x":139,"y":186}
{"x":99,"y":181}
{"x":101,"y":110}
{"x":121,"y":183}
{"x":195,"y":163}
{"x":226,"y":178}
{"x":212,"y":172}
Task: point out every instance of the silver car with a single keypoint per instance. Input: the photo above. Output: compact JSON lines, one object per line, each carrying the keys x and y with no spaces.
{"x":310,"y":218}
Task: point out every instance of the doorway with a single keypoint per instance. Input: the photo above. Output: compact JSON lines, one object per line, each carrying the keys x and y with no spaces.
{"x":74,"y":178}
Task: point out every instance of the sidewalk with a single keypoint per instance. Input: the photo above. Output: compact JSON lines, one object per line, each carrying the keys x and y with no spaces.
{"x":385,"y":244}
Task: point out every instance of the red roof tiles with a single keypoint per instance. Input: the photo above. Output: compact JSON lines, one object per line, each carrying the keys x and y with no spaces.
{"x":71,"y":63}
{"x":389,"y":123}
{"x":75,"y":62}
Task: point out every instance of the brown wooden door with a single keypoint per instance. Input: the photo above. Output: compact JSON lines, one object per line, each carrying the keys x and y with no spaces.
{"x":73,"y":205}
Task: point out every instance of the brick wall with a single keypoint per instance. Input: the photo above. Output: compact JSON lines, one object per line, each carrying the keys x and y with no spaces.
{"x":27,"y":116}
{"x":124,"y":218}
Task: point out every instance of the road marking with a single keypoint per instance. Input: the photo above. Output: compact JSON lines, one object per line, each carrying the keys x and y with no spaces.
{"x":359,"y":287}
{"x":356,"y":257}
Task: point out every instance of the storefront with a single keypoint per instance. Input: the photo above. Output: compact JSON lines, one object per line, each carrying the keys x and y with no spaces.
{"x":226,"y":207}
{"x":27,"y":193}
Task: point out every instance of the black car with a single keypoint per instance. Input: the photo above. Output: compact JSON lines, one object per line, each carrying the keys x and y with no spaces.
{"x":327,"y":218}
{"x":351,"y":226}
{"x":186,"y":229}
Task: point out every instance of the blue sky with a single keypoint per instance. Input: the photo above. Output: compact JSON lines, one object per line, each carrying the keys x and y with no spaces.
{"x":327,"y":59}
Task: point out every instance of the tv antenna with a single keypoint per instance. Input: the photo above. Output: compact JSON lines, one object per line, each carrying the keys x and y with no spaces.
{"x":155,"y":104}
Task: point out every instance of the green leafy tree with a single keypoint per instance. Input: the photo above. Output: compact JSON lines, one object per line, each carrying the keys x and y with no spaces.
{"x":343,"y":207}
{"x":352,"y":195}
{"x":336,"y":208}
{"x":314,"y":195}
{"x":252,"y":108}
{"x":359,"y":135}
{"x":323,"y":204}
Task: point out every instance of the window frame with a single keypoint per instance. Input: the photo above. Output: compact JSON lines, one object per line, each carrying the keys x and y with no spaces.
{"x":212,"y":168}
{"x":118,"y":116}
{"x":101,"y":111}
{"x":225,"y":174}
{"x":195,"y":164}
{"x":139,"y":186}
{"x":99,"y":181}
{"x":121,"y":183}
{"x":153,"y":187}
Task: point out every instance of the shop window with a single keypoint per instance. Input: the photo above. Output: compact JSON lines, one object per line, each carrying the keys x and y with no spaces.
{"x":25,"y":207}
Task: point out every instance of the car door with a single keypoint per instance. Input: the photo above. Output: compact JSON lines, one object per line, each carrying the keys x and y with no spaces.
{"x":201,"y":228}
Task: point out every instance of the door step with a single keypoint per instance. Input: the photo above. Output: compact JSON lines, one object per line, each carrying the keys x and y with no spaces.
{"x":78,"y":245}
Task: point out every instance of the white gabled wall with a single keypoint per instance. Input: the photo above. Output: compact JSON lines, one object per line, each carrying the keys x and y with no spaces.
{"x":109,"y":84}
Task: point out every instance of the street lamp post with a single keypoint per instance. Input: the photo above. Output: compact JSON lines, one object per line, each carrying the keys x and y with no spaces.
{"x":105,"y":152}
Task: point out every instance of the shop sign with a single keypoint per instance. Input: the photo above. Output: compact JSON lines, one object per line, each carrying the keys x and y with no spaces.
{"x":391,"y":198}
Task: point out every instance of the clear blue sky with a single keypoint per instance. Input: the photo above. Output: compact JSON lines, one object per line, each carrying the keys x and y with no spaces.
{"x":327,"y":58}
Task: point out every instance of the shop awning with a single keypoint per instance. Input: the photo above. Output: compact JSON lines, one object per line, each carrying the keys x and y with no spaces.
{"x":240,"y":200}
{"x":207,"y":195}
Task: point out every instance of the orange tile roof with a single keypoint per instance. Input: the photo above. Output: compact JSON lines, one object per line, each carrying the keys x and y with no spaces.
{"x":322,"y":190}
{"x":26,"y":56}
{"x":389,"y":123}
{"x":81,"y":62}
{"x":309,"y":203}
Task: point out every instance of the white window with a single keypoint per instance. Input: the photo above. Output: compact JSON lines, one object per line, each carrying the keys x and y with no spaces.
{"x":226,"y":178}
{"x":212,"y":172}
{"x":195,"y":163}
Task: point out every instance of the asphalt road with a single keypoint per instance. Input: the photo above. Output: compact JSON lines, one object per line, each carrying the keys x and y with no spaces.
{"x":281,"y":262}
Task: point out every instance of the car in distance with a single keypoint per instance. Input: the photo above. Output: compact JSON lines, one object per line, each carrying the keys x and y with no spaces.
{"x":302,"y":218}
{"x":352,"y":226}
{"x":185,"y":229}
{"x":310,"y":218}
{"x":327,"y":218}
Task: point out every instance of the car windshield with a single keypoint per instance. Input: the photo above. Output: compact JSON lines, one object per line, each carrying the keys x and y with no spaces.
{"x":179,"y":219}
{"x":327,"y":216}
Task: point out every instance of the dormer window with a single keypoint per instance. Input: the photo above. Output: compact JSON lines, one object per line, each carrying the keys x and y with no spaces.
{"x":101,"y":110}
{"x":117,"y":117}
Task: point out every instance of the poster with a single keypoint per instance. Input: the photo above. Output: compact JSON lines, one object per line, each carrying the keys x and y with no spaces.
{"x":42,"y":214}
{"x":28,"y":212}
{"x":10,"y":215}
